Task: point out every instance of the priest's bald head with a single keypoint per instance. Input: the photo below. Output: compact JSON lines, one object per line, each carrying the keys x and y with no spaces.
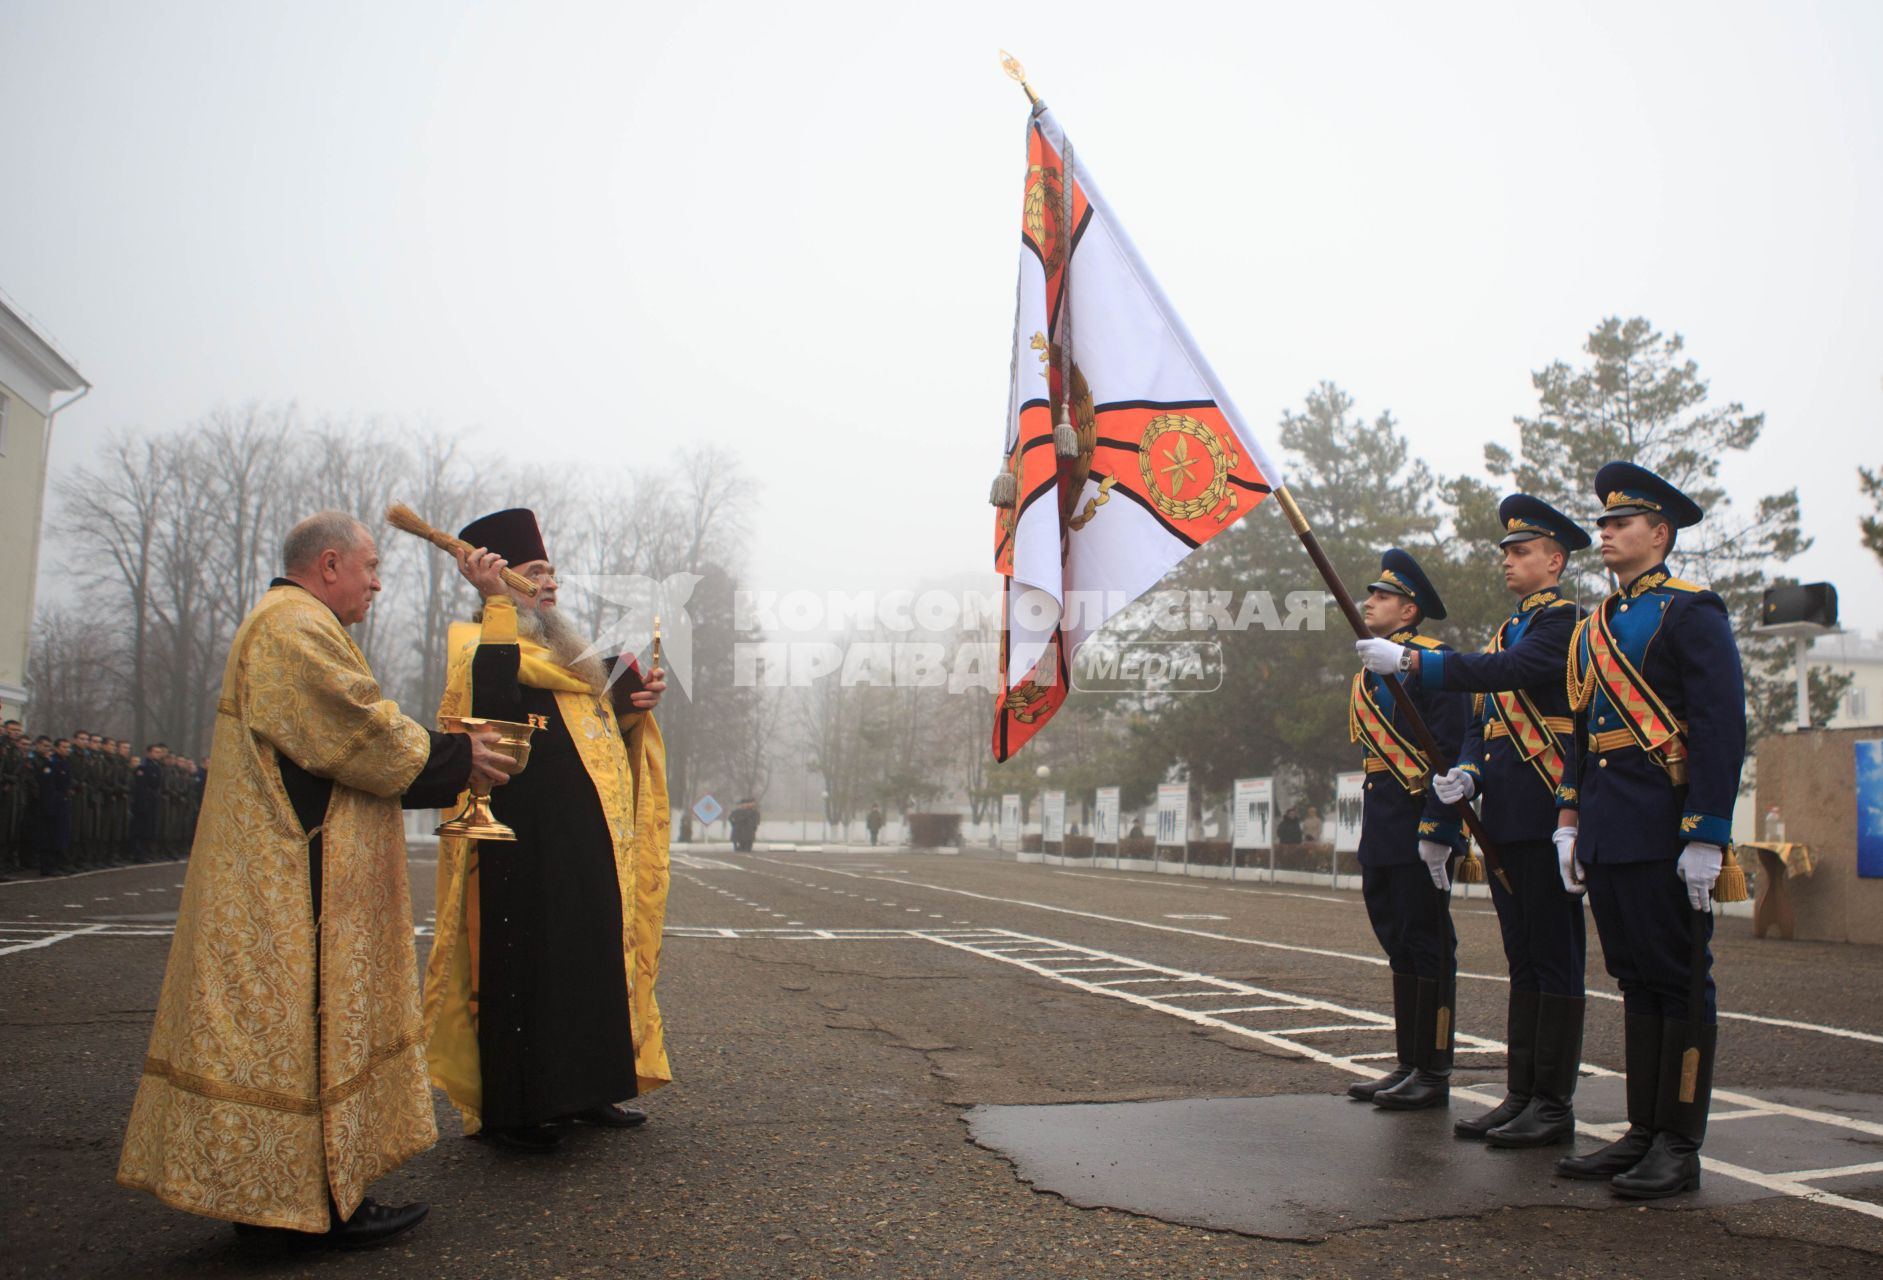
{"x":333,"y":557}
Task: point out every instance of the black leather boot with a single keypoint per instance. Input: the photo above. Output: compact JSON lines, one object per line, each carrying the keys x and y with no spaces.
{"x":1642,"y":1053}
{"x":1405,"y":1002}
{"x":1671,"y":1164}
{"x":1520,"y":1031}
{"x":1429,"y":1085}
{"x":1550,"y":1117}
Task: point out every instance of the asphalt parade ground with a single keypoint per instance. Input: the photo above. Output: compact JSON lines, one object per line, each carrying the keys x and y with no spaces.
{"x":897,"y":1064}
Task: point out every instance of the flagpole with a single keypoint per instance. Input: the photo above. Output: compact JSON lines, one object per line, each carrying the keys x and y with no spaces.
{"x":1298,"y":521}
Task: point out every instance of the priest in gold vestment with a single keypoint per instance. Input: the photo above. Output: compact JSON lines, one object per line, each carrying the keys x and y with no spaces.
{"x":286,"y":1069}
{"x":539,"y":993}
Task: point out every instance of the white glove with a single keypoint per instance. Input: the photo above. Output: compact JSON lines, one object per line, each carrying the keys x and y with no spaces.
{"x":1565,"y":838}
{"x":1699,"y":866}
{"x":1455,"y":786}
{"x":1381,"y":657}
{"x":1435,"y":856}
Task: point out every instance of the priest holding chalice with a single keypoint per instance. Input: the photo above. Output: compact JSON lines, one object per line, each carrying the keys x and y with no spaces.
{"x":539,"y":994}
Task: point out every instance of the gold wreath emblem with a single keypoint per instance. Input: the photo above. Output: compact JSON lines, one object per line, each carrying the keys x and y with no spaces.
{"x":1023,"y":701}
{"x":1180,"y":465}
{"x":1042,"y":181}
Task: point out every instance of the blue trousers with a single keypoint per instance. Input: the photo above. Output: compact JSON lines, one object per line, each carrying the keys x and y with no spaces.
{"x":1410,"y":920}
{"x":1646,"y":925}
{"x":1545,"y":938}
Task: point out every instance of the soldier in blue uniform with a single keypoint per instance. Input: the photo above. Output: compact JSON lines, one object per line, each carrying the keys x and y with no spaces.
{"x":52,"y":806}
{"x":1515,"y":751}
{"x":1660,"y":703}
{"x":147,"y":803}
{"x":1408,"y":838}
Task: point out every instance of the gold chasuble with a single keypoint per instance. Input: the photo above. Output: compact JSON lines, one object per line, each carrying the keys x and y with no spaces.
{"x":628,"y":766}
{"x":259,"y":1094}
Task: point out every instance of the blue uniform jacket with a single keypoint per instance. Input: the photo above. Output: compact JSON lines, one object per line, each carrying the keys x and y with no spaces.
{"x":53,"y":812}
{"x":1392,"y":819}
{"x":1518,"y":803}
{"x":1680,"y":639}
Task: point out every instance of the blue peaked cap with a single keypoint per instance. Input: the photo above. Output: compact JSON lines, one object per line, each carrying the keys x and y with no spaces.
{"x":1401,"y":575}
{"x":1629,"y":490}
{"x":1525,"y":517}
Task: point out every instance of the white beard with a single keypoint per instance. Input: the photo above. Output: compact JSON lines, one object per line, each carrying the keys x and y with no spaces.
{"x":555,"y":632}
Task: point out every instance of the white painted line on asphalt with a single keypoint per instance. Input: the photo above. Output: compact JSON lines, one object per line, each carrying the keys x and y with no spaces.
{"x":52,"y":939}
{"x":1253,"y":1008}
{"x":1838,"y":1171}
{"x":1846,"y":1033}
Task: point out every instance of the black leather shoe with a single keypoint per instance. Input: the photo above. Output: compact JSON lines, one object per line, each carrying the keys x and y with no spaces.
{"x":1503,"y":1113}
{"x":534,"y":1137}
{"x":1366,"y":1090}
{"x":372,"y":1224}
{"x":1416,"y":1092}
{"x":610,"y":1116}
{"x":1604,"y":1163}
{"x":1671,"y":1166}
{"x":1546,"y":1122}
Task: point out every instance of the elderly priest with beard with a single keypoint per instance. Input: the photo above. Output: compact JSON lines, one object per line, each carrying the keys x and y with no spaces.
{"x":539,"y":995}
{"x":286,"y":1069}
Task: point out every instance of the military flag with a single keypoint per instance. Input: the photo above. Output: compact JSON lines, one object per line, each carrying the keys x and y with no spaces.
{"x":1123,"y":452}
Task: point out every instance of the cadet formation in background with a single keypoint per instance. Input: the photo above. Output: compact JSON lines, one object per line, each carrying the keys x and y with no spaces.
{"x":85,"y":802}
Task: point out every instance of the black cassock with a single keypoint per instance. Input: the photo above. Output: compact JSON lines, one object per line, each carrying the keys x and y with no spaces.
{"x":552,"y":992}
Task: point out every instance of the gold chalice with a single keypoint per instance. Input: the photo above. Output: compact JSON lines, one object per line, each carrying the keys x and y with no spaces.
{"x":475,"y":821}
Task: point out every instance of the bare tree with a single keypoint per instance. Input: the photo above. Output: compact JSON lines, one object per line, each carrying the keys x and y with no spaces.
{"x":111,"y":515}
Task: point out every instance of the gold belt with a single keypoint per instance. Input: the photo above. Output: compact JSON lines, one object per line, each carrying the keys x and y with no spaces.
{"x":1376,"y":765}
{"x":1555,"y":724}
{"x":1620,"y":739}
{"x":1616,"y":739}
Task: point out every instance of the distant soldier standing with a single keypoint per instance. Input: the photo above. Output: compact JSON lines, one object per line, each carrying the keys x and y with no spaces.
{"x":52,"y":806}
{"x":147,"y":804}
{"x":1660,"y":698}
{"x":121,"y":802}
{"x":1514,"y":753}
{"x":14,"y":780}
{"x":1408,"y":837}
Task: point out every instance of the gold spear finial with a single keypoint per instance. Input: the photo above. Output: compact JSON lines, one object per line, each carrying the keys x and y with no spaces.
{"x":1017,"y":73}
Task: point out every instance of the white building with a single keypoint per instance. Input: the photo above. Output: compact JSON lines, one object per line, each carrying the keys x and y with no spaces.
{"x":1861,"y":657}
{"x":36,"y":382}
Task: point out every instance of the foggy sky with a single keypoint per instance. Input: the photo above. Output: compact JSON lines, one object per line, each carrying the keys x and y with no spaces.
{"x":592,"y":231}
